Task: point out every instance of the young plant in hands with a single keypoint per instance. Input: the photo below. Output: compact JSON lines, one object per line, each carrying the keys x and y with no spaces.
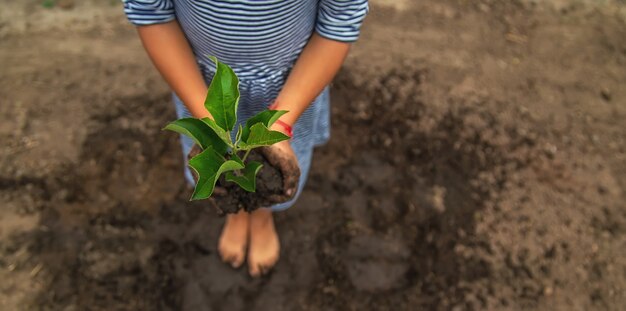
{"x":220,"y":154}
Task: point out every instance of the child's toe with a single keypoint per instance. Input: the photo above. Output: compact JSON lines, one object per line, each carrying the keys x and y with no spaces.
{"x":254,"y":270}
{"x":236,"y":262}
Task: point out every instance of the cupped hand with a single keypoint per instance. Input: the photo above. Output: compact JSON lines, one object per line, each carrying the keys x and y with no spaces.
{"x":282,"y":157}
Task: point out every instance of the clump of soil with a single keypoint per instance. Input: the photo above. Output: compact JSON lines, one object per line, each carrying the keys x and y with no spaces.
{"x":231,"y":198}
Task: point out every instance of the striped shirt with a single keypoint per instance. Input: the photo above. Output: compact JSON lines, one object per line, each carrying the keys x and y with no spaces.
{"x":257,"y":38}
{"x":261,"y":40}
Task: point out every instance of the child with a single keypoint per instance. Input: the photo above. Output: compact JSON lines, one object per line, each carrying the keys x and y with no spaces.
{"x":285,"y":53}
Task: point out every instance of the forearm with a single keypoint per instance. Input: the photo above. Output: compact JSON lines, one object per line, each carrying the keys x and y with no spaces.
{"x":315,"y":68}
{"x":172,"y":56}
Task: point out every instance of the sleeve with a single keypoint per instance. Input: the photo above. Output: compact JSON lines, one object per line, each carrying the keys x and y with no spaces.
{"x":148,"y":12}
{"x":341,"y":20}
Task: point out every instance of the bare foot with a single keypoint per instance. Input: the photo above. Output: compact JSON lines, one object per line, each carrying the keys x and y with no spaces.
{"x":234,"y":239}
{"x":264,"y":245}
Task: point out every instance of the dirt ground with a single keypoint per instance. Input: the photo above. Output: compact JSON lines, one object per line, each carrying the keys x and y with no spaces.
{"x":478,"y":162}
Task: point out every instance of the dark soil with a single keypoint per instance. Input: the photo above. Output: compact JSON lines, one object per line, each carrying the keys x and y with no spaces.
{"x":477,"y":162}
{"x":233,"y":199}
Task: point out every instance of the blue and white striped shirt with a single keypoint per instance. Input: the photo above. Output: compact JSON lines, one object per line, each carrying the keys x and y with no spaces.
{"x":257,"y":38}
{"x":261,"y":40}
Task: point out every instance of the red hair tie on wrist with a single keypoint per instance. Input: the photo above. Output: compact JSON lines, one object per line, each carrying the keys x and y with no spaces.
{"x":285,"y":126}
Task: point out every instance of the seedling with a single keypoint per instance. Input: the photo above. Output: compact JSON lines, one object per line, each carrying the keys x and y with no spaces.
{"x":220,"y":153}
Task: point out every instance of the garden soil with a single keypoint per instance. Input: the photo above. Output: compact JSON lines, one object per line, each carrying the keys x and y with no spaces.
{"x":477,"y":162}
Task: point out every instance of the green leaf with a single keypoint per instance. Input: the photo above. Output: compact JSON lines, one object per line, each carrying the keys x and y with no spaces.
{"x":236,"y":158}
{"x":223,"y":96}
{"x":267,"y":117}
{"x":48,"y":4}
{"x":209,"y":165}
{"x":248,"y":180}
{"x":260,"y":135}
{"x":200,"y":132}
{"x":220,"y":132}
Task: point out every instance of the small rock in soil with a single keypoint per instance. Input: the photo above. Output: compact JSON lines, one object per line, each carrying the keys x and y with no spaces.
{"x":606,"y":95}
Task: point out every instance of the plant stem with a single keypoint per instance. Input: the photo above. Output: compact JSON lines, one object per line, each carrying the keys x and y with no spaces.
{"x":245,"y":155}
{"x":230,"y":140}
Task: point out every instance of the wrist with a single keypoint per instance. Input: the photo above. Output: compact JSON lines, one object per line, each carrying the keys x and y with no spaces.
{"x":282,"y":127}
{"x":196,"y":107}
{"x":283,"y":124}
{"x":292,"y":104}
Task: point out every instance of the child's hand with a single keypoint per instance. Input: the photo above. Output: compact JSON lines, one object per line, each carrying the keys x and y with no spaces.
{"x":282,"y":157}
{"x":279,"y":155}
